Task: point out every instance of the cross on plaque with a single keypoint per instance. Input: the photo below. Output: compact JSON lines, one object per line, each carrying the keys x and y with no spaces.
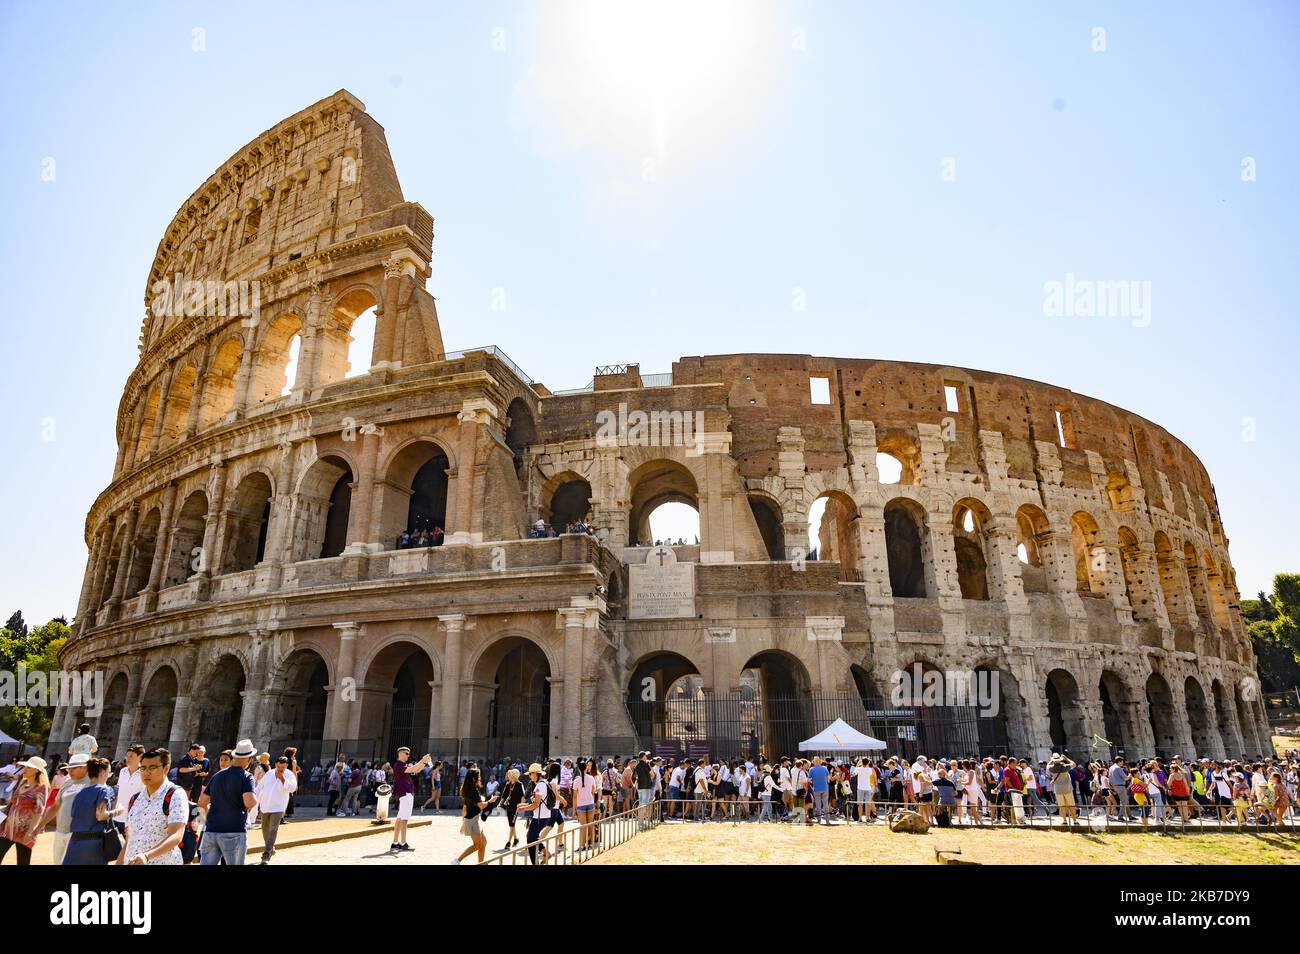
{"x":661,"y":553}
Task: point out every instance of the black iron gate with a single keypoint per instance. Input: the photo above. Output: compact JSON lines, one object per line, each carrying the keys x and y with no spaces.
{"x":743,"y":724}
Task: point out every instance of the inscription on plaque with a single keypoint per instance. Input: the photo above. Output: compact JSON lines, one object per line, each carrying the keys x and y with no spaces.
{"x":661,"y":588}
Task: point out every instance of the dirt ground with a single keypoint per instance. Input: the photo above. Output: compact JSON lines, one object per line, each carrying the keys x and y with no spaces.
{"x":853,"y":844}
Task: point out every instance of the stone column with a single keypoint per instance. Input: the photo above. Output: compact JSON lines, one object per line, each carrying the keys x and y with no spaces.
{"x":942,"y":573}
{"x":196,"y":396}
{"x":130,"y":706}
{"x":209,"y":558}
{"x":281,"y":522}
{"x":344,"y":695}
{"x":717,"y":512}
{"x":161,"y":548}
{"x":250,"y":724}
{"x":365,"y":498}
{"x":309,"y":349}
{"x":574,"y":621}
{"x":164,"y":393}
{"x":398,"y":271}
{"x":96,"y":598}
{"x":244,"y":377}
{"x":454,"y":627}
{"x":93,"y":559}
{"x":181,"y":727}
{"x":123,"y":562}
{"x":133,"y":446}
{"x":1031,"y":682}
{"x":464,"y":522}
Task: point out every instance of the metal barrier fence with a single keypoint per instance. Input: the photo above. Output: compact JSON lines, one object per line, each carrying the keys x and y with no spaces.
{"x":575,"y":843}
{"x":999,"y":816}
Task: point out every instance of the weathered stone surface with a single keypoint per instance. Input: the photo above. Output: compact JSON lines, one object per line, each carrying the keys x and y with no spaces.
{"x":244,"y":577}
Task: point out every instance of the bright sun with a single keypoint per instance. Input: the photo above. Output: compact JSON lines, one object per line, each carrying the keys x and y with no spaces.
{"x":657,"y":81}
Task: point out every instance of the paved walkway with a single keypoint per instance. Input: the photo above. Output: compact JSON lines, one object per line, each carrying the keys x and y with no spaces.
{"x":308,"y":828}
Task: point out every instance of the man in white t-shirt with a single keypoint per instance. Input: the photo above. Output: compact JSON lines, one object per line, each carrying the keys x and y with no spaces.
{"x":865,"y":778}
{"x":785,"y":782}
{"x":84,"y":743}
{"x":129,"y":782}
{"x":541,"y":818}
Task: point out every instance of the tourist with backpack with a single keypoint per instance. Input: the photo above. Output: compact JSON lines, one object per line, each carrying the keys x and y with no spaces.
{"x":540,"y":803}
{"x":156,"y":817}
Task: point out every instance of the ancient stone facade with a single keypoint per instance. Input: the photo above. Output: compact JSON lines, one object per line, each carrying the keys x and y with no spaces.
{"x":245,"y":577}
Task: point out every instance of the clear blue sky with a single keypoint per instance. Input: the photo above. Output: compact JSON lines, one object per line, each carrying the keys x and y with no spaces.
{"x":799,"y":147}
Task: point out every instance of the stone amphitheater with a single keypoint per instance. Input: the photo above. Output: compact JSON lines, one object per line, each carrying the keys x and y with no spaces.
{"x":249,"y":575}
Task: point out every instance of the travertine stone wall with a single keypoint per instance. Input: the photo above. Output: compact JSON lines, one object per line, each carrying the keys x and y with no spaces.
{"x":244,"y":578}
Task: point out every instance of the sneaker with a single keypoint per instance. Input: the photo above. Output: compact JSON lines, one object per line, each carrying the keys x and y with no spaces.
{"x":405,"y":848}
{"x":394,"y":847}
{"x":455,"y":861}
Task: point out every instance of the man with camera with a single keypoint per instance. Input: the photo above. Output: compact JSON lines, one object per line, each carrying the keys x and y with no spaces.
{"x":404,"y":788}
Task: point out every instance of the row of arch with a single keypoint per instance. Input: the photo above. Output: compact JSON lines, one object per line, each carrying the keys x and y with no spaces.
{"x":1190,"y":585}
{"x":395,"y":689}
{"x":207,"y":384}
{"x":1137,"y":720}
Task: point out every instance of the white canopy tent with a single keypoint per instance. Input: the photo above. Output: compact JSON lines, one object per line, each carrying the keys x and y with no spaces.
{"x":839,"y":736}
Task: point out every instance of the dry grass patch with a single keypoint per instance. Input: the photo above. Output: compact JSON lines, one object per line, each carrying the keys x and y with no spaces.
{"x":851,"y":844}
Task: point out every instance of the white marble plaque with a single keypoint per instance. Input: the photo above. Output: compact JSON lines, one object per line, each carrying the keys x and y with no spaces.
{"x":661,"y":588}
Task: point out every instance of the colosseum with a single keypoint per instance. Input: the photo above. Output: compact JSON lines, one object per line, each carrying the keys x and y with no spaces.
{"x":301,"y":550}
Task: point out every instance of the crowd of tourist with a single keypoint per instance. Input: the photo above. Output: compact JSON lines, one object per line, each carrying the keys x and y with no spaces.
{"x":150,"y":810}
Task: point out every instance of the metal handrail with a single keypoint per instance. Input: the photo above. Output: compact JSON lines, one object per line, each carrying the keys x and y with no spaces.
{"x":576,"y":843}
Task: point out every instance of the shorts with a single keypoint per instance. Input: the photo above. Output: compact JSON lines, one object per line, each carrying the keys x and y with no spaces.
{"x":644,"y":796}
{"x":866,"y":795}
{"x":470,"y":826}
{"x":1065,"y":799}
{"x":405,"y":805}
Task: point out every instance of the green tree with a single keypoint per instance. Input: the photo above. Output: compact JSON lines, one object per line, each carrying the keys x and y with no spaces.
{"x":37,"y":650}
{"x":1274,"y":628}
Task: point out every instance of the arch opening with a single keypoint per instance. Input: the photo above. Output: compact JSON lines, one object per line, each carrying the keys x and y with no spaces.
{"x":186,"y":553}
{"x":905,"y":548}
{"x":1065,"y":715}
{"x":158,"y":706}
{"x":767,"y":517}
{"x":970,"y":521}
{"x":1160,"y":709}
{"x":219,"y":383}
{"x":653,"y":485}
{"x":218,"y":704}
{"x":247,"y":523}
{"x":778,"y":718}
{"x":570,"y":505}
{"x":833,"y":533}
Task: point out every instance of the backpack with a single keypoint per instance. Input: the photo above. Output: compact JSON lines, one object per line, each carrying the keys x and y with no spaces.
{"x":189,"y":840}
{"x":550,"y":796}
